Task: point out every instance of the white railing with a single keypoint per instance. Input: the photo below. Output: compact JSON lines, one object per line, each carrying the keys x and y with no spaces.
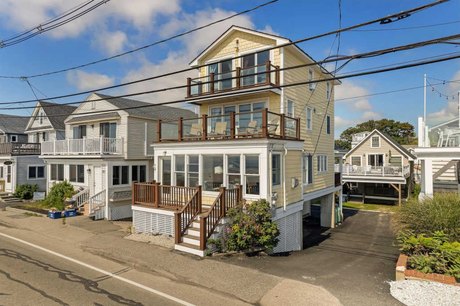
{"x":96,"y":201}
{"x":85,"y":146}
{"x":336,"y":168}
{"x":81,"y":198}
{"x":388,"y":171}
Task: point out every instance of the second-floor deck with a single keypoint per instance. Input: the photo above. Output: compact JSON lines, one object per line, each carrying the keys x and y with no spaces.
{"x":84,"y":146}
{"x":375,"y":171}
{"x":19,"y":148}
{"x":241,"y":78}
{"x":257,"y":124}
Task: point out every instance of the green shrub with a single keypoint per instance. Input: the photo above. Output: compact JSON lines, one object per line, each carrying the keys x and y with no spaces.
{"x":25,"y":191}
{"x":440,"y":213}
{"x":58,"y":193}
{"x":433,"y":254}
{"x":250,"y":228}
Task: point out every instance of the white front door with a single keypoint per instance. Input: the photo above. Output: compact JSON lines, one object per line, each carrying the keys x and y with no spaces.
{"x":98,"y":180}
{"x":8,"y":173}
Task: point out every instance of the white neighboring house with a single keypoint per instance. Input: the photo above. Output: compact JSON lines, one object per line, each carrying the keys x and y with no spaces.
{"x":438,"y":152}
{"x":106,"y":148}
{"x":19,"y":162}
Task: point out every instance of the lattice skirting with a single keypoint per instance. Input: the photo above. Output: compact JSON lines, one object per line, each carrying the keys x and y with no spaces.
{"x":120,"y":212}
{"x":290,"y":233}
{"x":154,"y":223}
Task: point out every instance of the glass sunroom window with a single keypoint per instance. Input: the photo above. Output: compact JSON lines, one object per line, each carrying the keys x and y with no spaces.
{"x":213,"y":172}
{"x":233,"y":170}
{"x":193,"y":170}
{"x":179,"y":170}
{"x":252,"y":174}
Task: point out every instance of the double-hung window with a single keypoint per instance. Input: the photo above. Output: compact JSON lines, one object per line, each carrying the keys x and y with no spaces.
{"x":252,"y":174}
{"x":290,"y":108}
{"x":79,"y":132}
{"x":276,"y":169}
{"x":311,"y":77}
{"x":138,"y":173}
{"x":322,"y":163}
{"x":233,"y":170}
{"x":307,"y":169}
{"x":77,"y":173}
{"x":309,"y":118}
{"x":57,"y":172}
{"x":179,"y":170}
{"x":375,"y":142}
{"x":193,"y":170}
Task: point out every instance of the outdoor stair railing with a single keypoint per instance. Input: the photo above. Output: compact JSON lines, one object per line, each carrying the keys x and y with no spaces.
{"x":227,"y":199}
{"x":81,"y":197}
{"x":96,"y":201}
{"x":185,"y":216}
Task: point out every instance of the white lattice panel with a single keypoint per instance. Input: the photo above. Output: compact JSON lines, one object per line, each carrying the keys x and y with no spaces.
{"x":154,"y":223}
{"x":290,"y":233}
{"x":120,"y":212}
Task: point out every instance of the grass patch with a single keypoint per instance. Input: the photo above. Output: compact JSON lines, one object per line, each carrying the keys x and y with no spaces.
{"x":32,"y":214}
{"x":373,"y":207}
{"x":36,"y":207}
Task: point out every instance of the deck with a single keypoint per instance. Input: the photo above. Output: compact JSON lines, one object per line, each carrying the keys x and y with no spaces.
{"x":19,"y":148}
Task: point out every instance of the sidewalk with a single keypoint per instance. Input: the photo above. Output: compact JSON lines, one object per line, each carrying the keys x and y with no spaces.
{"x":105,"y":239}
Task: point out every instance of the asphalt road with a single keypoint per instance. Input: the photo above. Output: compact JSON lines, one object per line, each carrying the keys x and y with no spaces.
{"x":354,"y":261}
{"x":32,"y":277}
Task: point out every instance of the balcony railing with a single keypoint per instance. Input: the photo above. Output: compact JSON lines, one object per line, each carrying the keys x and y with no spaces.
{"x":19,"y":148}
{"x":380,"y":171}
{"x":84,"y":146}
{"x":257,"y":124}
{"x":240,"y":78}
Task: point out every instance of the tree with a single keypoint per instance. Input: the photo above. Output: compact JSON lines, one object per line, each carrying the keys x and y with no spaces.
{"x":401,"y":132}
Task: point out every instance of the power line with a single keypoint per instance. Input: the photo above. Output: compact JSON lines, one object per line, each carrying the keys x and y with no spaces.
{"x":383,"y":20}
{"x":347,"y":57}
{"x":198,"y":99}
{"x":50,"y":25}
{"x":146,"y":46}
{"x":409,"y":28}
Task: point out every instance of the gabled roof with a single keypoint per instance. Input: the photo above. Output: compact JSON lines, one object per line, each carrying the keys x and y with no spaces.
{"x":444,"y":123}
{"x":10,"y":124}
{"x":389,"y":139}
{"x":279,"y":40}
{"x":154,"y":112}
{"x":55,"y":112}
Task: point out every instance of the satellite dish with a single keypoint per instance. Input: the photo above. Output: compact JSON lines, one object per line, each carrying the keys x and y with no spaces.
{"x":8,"y":162}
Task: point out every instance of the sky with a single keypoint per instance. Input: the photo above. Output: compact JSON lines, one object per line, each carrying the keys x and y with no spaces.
{"x":121,"y":25}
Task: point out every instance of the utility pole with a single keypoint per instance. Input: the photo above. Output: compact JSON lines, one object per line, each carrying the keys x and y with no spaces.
{"x":458,"y":97}
{"x":424,"y":111}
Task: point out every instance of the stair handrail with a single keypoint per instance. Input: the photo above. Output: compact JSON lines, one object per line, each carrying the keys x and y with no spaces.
{"x":184,"y":216}
{"x":100,"y":197}
{"x":81,"y":197}
{"x":226,"y":199}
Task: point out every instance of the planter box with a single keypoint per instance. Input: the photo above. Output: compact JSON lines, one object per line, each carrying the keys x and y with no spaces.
{"x":402,"y":273}
{"x":55,"y":214}
{"x":70,"y":212}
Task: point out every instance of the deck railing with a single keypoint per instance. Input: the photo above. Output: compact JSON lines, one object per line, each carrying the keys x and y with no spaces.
{"x":161,"y":196}
{"x":81,"y":197}
{"x":257,"y":124}
{"x":84,"y":146}
{"x":240,"y":78}
{"x":185,"y":216}
{"x":19,"y":148}
{"x":227,"y":199}
{"x":381,"y":171}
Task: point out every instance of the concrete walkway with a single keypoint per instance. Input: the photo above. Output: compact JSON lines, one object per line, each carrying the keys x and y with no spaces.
{"x":105,"y":239}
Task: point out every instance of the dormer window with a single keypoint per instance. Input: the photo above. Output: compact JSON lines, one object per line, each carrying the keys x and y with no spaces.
{"x":40,"y":117}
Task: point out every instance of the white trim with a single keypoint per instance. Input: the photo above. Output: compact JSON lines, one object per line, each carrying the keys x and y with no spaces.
{"x":319,"y":193}
{"x":154,"y":210}
{"x":360,"y":160}
{"x":371,"y":142}
{"x":293,"y":208}
{"x":36,"y":178}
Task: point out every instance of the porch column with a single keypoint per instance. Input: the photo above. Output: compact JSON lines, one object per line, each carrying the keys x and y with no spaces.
{"x":327,"y":211}
{"x":426,"y":179}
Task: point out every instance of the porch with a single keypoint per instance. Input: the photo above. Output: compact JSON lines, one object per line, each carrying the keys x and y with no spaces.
{"x":84,"y":146}
{"x":261,"y":75}
{"x":182,"y":211}
{"x":375,"y":171}
{"x":246,"y":125}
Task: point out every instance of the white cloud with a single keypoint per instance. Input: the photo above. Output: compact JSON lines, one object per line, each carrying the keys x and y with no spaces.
{"x":341,"y":122}
{"x":370,"y":115}
{"x":87,"y":81}
{"x":450,"y":111}
{"x":349,"y":89}
{"x":110,"y":43}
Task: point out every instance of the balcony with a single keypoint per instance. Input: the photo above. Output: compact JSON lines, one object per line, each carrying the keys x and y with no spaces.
{"x":241,"y":78}
{"x":84,"y":146}
{"x":375,"y":171}
{"x":247,"y":125}
{"x":18,"y":148}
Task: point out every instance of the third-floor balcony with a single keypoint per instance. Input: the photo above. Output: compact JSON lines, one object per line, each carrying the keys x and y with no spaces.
{"x":247,"y":125}
{"x":241,"y":78}
{"x":84,"y":146}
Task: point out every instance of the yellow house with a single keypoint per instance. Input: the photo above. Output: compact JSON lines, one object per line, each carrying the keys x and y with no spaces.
{"x":253,"y":130}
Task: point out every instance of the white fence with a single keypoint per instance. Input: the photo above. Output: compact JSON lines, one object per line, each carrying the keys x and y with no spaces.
{"x":84,"y":146}
{"x":353,"y":170}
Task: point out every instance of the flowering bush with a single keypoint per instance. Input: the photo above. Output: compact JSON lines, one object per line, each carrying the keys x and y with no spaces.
{"x":250,"y":228}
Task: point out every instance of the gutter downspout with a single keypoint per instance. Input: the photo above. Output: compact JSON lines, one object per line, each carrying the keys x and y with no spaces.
{"x":284,"y":178}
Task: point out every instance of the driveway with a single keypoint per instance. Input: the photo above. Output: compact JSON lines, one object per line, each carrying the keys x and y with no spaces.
{"x":354,"y":261}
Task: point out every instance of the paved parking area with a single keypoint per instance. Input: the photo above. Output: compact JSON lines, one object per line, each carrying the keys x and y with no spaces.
{"x":354,"y":261}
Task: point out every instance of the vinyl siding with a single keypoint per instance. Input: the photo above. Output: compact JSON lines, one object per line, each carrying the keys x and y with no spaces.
{"x":135,"y":141}
{"x":291,"y":170}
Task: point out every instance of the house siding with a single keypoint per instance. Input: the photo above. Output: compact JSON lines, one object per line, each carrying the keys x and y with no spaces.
{"x":136,"y":141}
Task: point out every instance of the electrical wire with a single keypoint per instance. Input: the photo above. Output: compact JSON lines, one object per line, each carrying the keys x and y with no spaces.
{"x":348,"y":57}
{"x":409,"y":28}
{"x":382,"y":20}
{"x":302,"y":83}
{"x":42,"y":28}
